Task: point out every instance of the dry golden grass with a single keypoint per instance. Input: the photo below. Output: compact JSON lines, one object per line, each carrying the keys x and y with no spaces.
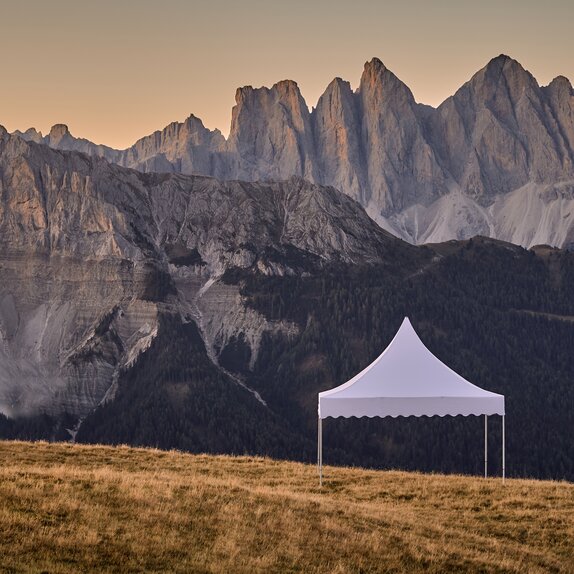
{"x":72,"y":508}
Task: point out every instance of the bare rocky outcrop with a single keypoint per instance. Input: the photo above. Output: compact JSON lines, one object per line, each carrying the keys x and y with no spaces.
{"x":60,"y":137}
{"x":499,"y":132}
{"x":93,"y":254}
{"x":424,"y":174}
{"x":187,"y":147}
{"x":401,"y":165}
{"x":271,"y":133}
{"x":338,"y":141}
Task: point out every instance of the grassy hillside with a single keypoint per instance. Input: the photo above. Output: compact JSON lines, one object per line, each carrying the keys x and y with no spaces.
{"x":73,"y":508}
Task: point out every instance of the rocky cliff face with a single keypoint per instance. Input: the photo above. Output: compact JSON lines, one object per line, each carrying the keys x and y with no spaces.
{"x":489,"y":160}
{"x":501,"y":131}
{"x":338,"y":143}
{"x":271,"y":133}
{"x":187,"y":147}
{"x":401,"y":165}
{"x":92,"y":254}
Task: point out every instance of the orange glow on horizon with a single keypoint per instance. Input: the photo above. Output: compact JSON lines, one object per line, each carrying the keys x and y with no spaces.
{"x":114,"y":73}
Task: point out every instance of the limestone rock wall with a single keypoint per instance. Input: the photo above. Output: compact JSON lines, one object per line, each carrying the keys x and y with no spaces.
{"x":421,"y":173}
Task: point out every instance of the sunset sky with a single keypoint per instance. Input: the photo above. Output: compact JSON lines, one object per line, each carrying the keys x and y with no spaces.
{"x":117,"y":70}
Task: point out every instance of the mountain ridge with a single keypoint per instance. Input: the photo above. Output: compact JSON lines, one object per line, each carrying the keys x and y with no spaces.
{"x":488,"y":160}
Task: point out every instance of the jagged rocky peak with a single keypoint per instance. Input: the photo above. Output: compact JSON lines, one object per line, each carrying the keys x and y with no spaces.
{"x":187,"y":147}
{"x":57,"y":133}
{"x":337,"y":92}
{"x":560,"y":98}
{"x":374,"y":68}
{"x":340,"y":84}
{"x":502,"y":79}
{"x":288,"y":88}
{"x":424,"y":173}
{"x":336,"y":110}
{"x":190,"y":131}
{"x":379,"y":81}
{"x":401,"y":167}
{"x":195,"y":125}
{"x":337,"y":134}
{"x":193,"y":120}
{"x":284,"y":95}
{"x":561,"y":86}
{"x":31,"y":134}
{"x":498,"y":133}
{"x":192,"y":124}
{"x":502,"y":63}
{"x":271,"y":133}
{"x":283,"y":88}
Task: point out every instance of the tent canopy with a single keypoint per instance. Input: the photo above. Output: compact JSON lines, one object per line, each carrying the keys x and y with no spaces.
{"x":408,"y":380}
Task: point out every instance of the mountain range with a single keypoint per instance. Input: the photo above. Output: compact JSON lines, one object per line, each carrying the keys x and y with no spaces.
{"x":197,"y":292}
{"x":495,"y":159}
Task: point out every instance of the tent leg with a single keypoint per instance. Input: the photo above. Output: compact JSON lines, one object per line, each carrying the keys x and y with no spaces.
{"x":318,"y":441}
{"x":320,"y":452}
{"x":503,"y":453}
{"x":485,"y":446}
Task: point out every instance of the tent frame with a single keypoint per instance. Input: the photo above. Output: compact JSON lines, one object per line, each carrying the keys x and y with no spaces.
{"x":320,"y":449}
{"x":407,"y":379}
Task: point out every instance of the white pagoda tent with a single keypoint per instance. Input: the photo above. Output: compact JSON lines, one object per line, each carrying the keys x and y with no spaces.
{"x":408,"y":380}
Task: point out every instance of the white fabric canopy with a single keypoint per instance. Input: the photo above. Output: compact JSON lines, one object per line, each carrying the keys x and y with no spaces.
{"x":408,"y":380}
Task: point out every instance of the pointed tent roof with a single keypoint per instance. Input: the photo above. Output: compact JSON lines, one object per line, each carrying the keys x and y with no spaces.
{"x":408,"y":380}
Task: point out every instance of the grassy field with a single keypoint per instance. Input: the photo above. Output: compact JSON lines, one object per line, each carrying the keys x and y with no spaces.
{"x":72,"y":508}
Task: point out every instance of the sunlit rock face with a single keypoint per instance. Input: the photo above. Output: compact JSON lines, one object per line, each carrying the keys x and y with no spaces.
{"x":425,"y":174}
{"x":93,"y":254}
{"x":401,"y":166}
{"x":501,"y":131}
{"x":271,"y":133}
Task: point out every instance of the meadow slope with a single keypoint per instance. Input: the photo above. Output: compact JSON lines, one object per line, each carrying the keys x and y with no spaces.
{"x":73,"y":508}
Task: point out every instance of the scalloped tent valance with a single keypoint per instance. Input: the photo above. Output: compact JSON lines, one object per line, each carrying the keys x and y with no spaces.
{"x":407,"y":380}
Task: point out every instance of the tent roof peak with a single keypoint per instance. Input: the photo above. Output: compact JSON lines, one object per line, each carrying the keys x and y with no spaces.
{"x":407,"y":379}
